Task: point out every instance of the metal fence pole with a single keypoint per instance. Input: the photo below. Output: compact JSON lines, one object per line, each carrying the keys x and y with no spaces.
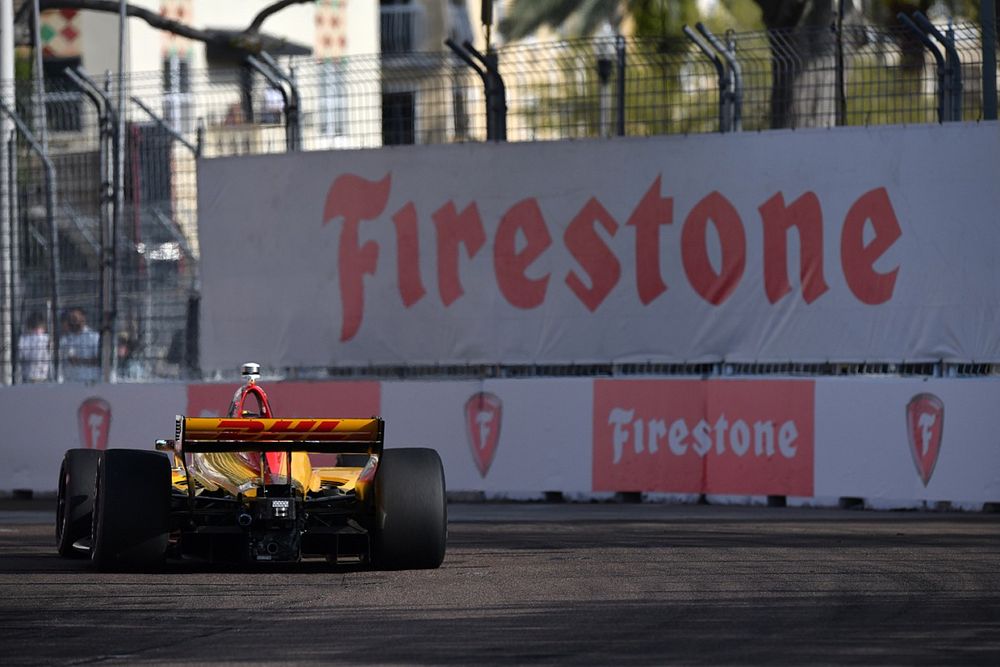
{"x":103,"y":106}
{"x":620,"y":52}
{"x":293,"y":104}
{"x":11,"y":267}
{"x":724,"y":74}
{"x":838,"y":28}
{"x":39,"y":120}
{"x":943,"y":108}
{"x":269,"y":69}
{"x":988,"y":18}
{"x":494,"y":88}
{"x":9,"y":359}
{"x":119,"y":188}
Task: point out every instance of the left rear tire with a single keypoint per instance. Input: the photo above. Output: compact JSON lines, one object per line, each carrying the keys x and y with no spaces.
{"x":75,"y":504}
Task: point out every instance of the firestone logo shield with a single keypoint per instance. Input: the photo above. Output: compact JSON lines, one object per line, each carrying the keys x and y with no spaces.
{"x":94,"y":417}
{"x":925,"y":426}
{"x":483,"y":412}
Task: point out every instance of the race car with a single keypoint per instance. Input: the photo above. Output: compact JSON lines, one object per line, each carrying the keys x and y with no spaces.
{"x":253,"y":488}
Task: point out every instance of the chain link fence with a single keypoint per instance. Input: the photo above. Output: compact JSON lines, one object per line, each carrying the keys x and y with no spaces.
{"x":138,"y":295}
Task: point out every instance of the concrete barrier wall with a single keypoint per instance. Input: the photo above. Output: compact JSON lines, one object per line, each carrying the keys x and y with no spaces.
{"x":891,"y":442}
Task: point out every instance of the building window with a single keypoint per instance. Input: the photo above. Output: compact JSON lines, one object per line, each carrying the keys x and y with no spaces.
{"x":398,"y":118}
{"x":333,"y":99}
{"x":63,"y":100}
{"x":178,"y":104}
{"x":401,"y":26}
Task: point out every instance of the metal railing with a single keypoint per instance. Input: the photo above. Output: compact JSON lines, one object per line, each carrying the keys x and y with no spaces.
{"x":547,"y":91}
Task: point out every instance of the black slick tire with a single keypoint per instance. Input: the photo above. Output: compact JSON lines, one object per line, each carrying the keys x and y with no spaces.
{"x":131,"y":511}
{"x":411,"y":513}
{"x":75,"y":500}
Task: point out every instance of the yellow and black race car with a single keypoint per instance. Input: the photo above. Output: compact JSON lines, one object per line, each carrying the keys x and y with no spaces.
{"x":244,"y":489}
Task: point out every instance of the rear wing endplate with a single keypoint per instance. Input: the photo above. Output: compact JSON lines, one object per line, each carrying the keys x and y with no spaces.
{"x":328,"y":436}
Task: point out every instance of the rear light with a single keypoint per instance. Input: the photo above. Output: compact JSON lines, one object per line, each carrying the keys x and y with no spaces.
{"x":368,"y":472}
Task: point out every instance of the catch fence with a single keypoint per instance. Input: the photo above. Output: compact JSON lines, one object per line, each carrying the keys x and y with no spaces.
{"x":110,"y":228}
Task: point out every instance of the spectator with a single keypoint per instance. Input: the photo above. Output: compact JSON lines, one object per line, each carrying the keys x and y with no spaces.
{"x":79,"y":349}
{"x":129,"y":366}
{"x":33,"y":350}
{"x":274,"y":106}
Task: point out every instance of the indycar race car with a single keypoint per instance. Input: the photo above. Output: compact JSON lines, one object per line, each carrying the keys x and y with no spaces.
{"x":245,"y":489}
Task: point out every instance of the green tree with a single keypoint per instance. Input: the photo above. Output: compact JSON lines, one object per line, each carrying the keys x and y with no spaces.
{"x":803,"y":47}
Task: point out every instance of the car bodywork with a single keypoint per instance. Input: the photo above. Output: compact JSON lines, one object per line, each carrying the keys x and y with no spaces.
{"x":251,"y":487}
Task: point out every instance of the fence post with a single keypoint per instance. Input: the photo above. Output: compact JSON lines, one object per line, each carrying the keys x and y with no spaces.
{"x":730,"y":77}
{"x":9,"y":358}
{"x":11,"y":258}
{"x":269,"y":69}
{"x":949,"y":72}
{"x":620,"y":50}
{"x":493,"y":86}
{"x":105,"y":111}
{"x":840,"y":83}
{"x":293,"y":106}
{"x":731,"y":88}
{"x":988,"y":18}
{"x":50,"y":205}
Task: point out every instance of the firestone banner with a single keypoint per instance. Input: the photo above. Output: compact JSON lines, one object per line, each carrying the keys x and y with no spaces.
{"x":810,"y":245}
{"x":697,"y":436}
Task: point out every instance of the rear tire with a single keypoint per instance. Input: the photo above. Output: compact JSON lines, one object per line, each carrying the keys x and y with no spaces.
{"x":131,"y":511}
{"x":411,"y":514}
{"x":75,"y":506}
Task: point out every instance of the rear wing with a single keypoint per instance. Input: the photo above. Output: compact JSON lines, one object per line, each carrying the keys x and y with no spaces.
{"x":328,"y":436}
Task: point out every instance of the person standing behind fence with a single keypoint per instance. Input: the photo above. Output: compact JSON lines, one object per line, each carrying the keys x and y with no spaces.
{"x":79,"y":349}
{"x":33,"y":350}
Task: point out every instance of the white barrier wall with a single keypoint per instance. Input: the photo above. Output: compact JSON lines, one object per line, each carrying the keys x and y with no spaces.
{"x":40,"y":422}
{"x":908,"y":440}
{"x":892,"y":442}
{"x":510,"y":437}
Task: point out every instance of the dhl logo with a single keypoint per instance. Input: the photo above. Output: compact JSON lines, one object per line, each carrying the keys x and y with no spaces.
{"x":277,"y":429}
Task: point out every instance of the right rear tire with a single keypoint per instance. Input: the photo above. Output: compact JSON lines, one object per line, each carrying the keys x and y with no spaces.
{"x":131,"y":512}
{"x":75,"y":506}
{"x":411,"y":513}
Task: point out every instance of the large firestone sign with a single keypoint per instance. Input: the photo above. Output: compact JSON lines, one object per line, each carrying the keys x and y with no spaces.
{"x":783,"y":246}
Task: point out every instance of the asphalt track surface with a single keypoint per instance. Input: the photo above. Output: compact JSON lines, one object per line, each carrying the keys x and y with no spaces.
{"x":596,"y":584}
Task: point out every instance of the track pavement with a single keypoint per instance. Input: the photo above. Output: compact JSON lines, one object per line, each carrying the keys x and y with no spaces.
{"x":542,"y":584}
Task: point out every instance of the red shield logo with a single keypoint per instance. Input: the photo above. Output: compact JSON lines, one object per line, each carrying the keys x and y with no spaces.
{"x":94,"y":416}
{"x":483,"y":412}
{"x":924,"y":426}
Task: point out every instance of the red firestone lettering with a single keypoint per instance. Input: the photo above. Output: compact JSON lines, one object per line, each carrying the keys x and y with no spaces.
{"x":652,"y":212}
{"x":806,"y":216}
{"x":411,"y":285}
{"x":522,"y":238}
{"x":455,"y":229}
{"x":713,"y":287}
{"x":510,"y":264}
{"x":355,"y":199}
{"x":593,"y":254}
{"x":857,"y":258}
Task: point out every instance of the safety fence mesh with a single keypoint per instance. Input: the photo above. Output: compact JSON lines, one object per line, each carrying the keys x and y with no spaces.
{"x":118,"y":241}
